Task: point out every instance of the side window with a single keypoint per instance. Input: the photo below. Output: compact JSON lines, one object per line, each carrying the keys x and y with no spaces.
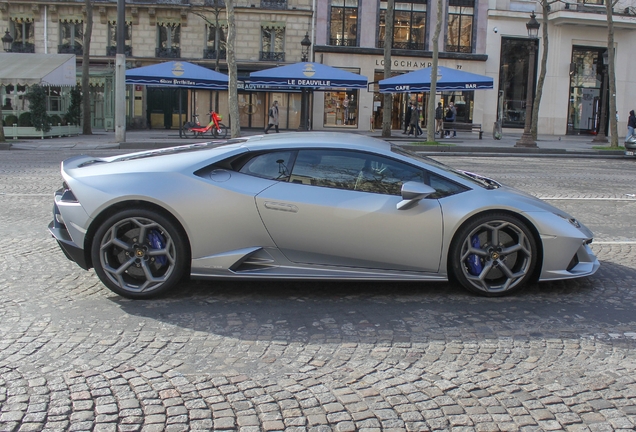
{"x":444,"y":187}
{"x":272,"y":166}
{"x":353,"y":171}
{"x":327,"y":168}
{"x":386,"y":176}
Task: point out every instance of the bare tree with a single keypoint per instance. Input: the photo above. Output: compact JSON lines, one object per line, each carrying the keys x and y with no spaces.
{"x":215,"y":7}
{"x":609,"y":5}
{"x":86,"y":59}
{"x":430,"y":115}
{"x":388,"y":44}
{"x":232,"y":91}
{"x":545,"y":7}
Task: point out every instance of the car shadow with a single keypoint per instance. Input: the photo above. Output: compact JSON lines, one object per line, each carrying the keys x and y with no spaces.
{"x":603,"y":305}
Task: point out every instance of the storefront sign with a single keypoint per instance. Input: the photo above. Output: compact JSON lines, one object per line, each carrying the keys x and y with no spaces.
{"x":177,"y":82}
{"x":410,"y":64}
{"x":309,"y":82}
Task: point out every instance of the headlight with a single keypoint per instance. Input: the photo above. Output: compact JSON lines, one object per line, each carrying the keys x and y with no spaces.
{"x":570,"y":219}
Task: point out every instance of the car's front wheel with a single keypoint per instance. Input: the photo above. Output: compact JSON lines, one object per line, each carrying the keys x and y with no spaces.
{"x":494,"y":255}
{"x":139,"y":253}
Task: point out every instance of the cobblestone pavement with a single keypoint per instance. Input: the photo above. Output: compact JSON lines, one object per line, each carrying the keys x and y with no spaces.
{"x":320,"y":356}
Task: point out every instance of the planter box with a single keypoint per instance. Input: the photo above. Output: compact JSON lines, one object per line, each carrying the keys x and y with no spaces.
{"x":16,"y":132}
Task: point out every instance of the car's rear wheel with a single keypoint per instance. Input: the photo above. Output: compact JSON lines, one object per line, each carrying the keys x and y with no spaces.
{"x":494,"y":255}
{"x":138,"y":253}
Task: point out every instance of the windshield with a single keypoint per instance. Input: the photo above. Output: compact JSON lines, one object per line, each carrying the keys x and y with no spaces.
{"x":471,"y":177}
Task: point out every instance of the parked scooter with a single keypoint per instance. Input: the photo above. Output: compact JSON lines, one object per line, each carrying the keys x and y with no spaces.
{"x":194,"y":129}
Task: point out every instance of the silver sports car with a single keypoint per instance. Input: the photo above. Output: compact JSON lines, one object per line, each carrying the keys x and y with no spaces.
{"x":306,"y":206}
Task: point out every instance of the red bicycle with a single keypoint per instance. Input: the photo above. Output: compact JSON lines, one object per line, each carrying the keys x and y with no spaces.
{"x":194,"y":129}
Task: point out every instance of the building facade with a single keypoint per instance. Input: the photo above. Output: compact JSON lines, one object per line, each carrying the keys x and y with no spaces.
{"x":486,"y":37}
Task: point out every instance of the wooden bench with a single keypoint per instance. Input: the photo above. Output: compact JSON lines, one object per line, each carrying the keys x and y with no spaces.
{"x":463,"y":127}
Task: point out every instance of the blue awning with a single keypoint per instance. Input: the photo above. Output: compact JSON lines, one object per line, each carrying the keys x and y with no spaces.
{"x":447,"y":79}
{"x":315,"y":76}
{"x":177,"y":74}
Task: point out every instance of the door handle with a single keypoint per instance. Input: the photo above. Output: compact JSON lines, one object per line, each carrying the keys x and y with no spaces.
{"x":281,"y":207}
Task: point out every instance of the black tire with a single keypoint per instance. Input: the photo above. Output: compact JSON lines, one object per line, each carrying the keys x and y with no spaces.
{"x":188,"y":132}
{"x":221,"y":133}
{"x":139,"y":253}
{"x":493,"y":255}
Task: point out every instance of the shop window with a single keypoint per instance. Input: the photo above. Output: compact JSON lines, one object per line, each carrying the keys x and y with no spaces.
{"x":22,"y":31}
{"x":111,"y":49}
{"x":409,"y":25}
{"x":460,"y":26}
{"x":585,"y":90}
{"x":341,"y":108}
{"x":71,"y":37}
{"x":215,"y":42}
{"x":513,"y":79}
{"x":273,"y":43}
{"x":168,"y":40}
{"x":343,"y":23}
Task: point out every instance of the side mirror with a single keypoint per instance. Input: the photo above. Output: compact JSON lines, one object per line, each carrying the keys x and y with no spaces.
{"x":412,"y":192}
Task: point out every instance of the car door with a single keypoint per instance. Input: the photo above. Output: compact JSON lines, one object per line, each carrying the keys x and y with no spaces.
{"x":339,"y":208}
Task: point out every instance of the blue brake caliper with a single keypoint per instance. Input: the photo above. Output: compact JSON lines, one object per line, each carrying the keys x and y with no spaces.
{"x":156,"y":242}
{"x":474,"y":263}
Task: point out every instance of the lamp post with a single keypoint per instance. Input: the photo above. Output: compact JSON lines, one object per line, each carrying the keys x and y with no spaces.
{"x":600,"y":136}
{"x":533,"y":32}
{"x":7,"y":41}
{"x":304,"y":97}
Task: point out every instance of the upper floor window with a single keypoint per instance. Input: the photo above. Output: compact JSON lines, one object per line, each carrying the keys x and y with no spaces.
{"x":71,"y":37}
{"x":168,"y":40}
{"x":343,"y":25}
{"x":460,"y":26}
{"x":274,"y":4}
{"x":23,"y":35}
{"x":111,"y":49}
{"x":216,"y":38}
{"x":273,"y":42}
{"x":409,"y":25}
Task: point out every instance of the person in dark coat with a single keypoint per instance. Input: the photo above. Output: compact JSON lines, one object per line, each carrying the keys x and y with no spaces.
{"x":415,"y":119}
{"x":439,"y":119}
{"x":631,"y":124}
{"x":407,"y":117}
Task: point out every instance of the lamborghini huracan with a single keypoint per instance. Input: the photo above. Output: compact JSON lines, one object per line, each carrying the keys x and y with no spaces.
{"x":308,"y":205}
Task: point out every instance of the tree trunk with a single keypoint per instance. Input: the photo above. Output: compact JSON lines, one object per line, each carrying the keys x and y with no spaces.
{"x":542,"y":72}
{"x":86,"y":93}
{"x":232,"y":92}
{"x":430,"y":111}
{"x":388,"y":44}
{"x":611,"y":74}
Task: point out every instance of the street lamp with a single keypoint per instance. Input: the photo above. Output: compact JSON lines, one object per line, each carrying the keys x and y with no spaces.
{"x":533,"y":33}
{"x":305,"y":45}
{"x":304,"y":97}
{"x":601,"y":137}
{"x":7,"y":41}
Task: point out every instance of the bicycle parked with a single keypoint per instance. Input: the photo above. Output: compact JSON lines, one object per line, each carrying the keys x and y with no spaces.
{"x":194,"y":129}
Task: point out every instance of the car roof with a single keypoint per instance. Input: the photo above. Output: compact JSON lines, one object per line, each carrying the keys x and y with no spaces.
{"x":317,"y":140}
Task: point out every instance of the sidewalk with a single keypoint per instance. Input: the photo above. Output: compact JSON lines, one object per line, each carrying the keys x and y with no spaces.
{"x":465,"y":142}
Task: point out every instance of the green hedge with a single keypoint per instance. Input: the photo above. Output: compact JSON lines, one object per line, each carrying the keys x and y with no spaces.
{"x":25,"y":119}
{"x":10,"y":120}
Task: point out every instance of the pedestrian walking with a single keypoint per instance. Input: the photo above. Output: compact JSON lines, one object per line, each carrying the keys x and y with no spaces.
{"x":439,"y":119}
{"x":631,"y":124}
{"x":407,"y":117}
{"x":414,"y":121}
{"x":451,"y":115}
{"x":273,"y":117}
